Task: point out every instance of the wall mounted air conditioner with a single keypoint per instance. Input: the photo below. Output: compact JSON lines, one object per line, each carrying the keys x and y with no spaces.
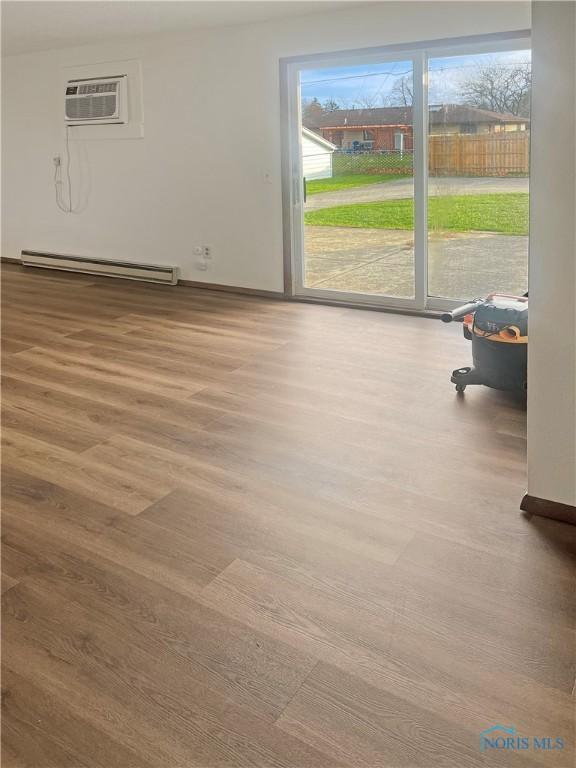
{"x":97,"y":101}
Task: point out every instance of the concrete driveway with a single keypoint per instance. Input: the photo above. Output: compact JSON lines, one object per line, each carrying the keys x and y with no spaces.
{"x":381,"y":261}
{"x":394,"y":190}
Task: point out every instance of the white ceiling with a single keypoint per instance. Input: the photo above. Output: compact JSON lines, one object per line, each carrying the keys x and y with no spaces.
{"x":39,"y":25}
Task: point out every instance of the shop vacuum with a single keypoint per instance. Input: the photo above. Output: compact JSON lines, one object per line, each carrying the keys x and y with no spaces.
{"x":498,"y":329}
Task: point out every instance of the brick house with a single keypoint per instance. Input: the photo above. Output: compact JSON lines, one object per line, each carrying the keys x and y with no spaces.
{"x":388,"y":128}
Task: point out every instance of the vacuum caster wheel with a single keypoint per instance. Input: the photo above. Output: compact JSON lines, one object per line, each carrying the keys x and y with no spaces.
{"x":460,"y":387}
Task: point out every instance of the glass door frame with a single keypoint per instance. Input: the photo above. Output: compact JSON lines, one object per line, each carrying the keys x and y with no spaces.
{"x":293,"y":182}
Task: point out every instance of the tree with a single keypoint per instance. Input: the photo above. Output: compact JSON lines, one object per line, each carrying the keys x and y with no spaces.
{"x":365,"y":101}
{"x":312,"y":111}
{"x":330,"y":105}
{"x":499,"y":88}
{"x":401,"y":93}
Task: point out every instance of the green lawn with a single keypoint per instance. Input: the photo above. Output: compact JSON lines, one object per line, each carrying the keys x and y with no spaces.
{"x":503,"y":213}
{"x":349,"y":180}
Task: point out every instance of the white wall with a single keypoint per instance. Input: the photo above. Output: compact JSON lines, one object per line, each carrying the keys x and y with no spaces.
{"x":208,"y":168}
{"x":316,"y":159}
{"x":551,"y":352}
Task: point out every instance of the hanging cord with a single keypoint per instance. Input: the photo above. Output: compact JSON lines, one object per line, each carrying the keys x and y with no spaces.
{"x":58,"y":182}
{"x":58,"y":186}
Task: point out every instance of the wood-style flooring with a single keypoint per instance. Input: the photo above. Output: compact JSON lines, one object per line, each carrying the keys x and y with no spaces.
{"x":247,"y":532}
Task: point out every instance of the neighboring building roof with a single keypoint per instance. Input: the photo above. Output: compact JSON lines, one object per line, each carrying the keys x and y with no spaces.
{"x":457,"y":113}
{"x":381,"y":116}
{"x":318,"y":139}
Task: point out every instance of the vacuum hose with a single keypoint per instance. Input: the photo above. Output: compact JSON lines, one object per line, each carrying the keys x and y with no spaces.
{"x":460,"y":312}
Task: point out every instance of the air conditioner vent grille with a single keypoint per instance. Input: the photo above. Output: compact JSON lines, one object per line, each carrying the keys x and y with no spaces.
{"x":93,"y":108}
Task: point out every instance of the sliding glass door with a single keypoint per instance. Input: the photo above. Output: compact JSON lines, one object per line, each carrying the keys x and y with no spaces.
{"x":409,"y":174}
{"x":478,"y":136}
{"x":357,"y":168}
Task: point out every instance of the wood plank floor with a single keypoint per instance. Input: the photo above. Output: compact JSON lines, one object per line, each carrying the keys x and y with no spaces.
{"x":245,"y":532}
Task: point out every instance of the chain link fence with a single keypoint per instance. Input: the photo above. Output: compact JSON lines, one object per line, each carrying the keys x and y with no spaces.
{"x":495,"y":155}
{"x":377,"y":162}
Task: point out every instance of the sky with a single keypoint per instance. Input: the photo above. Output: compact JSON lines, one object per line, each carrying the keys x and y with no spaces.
{"x":353,"y":85}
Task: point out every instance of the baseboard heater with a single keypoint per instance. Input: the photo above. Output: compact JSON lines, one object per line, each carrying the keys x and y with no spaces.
{"x":150,"y":273}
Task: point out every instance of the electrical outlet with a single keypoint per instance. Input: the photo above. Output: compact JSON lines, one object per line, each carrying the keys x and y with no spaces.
{"x":57,"y":160}
{"x":201,"y":265}
{"x":203,"y":251}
